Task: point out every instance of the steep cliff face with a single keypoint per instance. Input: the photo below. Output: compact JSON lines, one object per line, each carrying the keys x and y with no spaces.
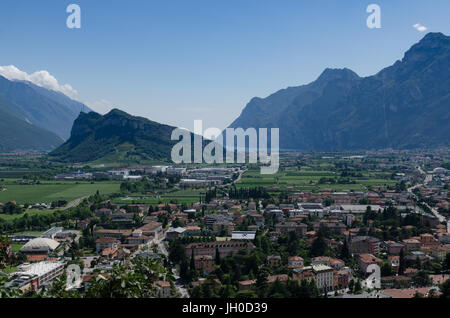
{"x":117,"y":133}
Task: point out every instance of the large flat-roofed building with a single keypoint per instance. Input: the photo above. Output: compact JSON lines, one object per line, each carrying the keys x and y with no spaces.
{"x":34,"y":276}
{"x":176,"y":171}
{"x":285,"y":227}
{"x":364,"y":245}
{"x":118,"y":234}
{"x":323,"y":276}
{"x":52,"y":232}
{"x":243,"y":235}
{"x":196,"y":183}
{"x":225,"y":248}
{"x":359,"y":208}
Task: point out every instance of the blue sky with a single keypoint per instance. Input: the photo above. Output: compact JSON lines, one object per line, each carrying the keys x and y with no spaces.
{"x":176,"y":61}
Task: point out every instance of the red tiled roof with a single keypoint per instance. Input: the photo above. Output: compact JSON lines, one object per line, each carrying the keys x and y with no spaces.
{"x":407,"y":293}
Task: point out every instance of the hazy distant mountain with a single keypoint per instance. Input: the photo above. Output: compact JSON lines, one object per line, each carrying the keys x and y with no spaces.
{"x":114,"y":136}
{"x":44,"y":108}
{"x":406,"y":105}
{"x":18,"y":135}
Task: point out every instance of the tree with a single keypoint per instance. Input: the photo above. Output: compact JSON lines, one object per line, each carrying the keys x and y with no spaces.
{"x":421,"y":279}
{"x":358,"y":287}
{"x":5,"y":248}
{"x":345,"y":252}
{"x":262,"y":282}
{"x":192,"y":262}
{"x":293,"y":242}
{"x":278,"y":290}
{"x":447,"y":262}
{"x":217,"y":258}
{"x":402,"y":263}
{"x":445,"y":289}
{"x":177,"y":252}
{"x":319,"y":246}
{"x":386,"y":269}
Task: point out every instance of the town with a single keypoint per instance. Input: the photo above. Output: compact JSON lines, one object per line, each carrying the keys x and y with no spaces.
{"x":314,"y":229}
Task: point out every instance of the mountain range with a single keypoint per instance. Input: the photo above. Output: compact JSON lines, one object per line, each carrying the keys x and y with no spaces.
{"x":404,"y":106}
{"x":33,"y":117}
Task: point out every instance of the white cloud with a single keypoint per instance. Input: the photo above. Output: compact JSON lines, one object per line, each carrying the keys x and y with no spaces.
{"x":419,"y":27}
{"x":40,"y":78}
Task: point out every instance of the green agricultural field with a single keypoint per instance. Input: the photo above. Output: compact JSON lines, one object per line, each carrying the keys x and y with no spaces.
{"x":179,"y":196}
{"x":308,"y":179}
{"x":10,"y":217}
{"x":49,"y":191}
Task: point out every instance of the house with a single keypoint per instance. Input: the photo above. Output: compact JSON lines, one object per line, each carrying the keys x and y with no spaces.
{"x":324,"y":276}
{"x":343,"y":278}
{"x":295,"y":262}
{"x":337,"y":264}
{"x":103,"y":212}
{"x":285,"y":227}
{"x":192,"y":230}
{"x":393,"y":248}
{"x":274,"y":260}
{"x":137,"y":238}
{"x":411,"y":244}
{"x":394,"y":261}
{"x":204,"y":263}
{"x":106,"y":242}
{"x":117,"y":234}
{"x":321,"y":260}
{"x":249,"y":284}
{"x":152,"y":229}
{"x":364,"y":245}
{"x":223,"y":228}
{"x":417,"y":255}
{"x":174,"y":233}
{"x":367,"y":259}
{"x":440,"y":252}
{"x":394,"y":281}
{"x":164,"y":289}
{"x":407,"y":292}
{"x":110,"y":252}
{"x":428,"y":240}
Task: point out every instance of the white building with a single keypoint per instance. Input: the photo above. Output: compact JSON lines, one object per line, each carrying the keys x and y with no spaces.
{"x":243,"y":235}
{"x":39,"y":245}
{"x":176,"y":171}
{"x":156,"y":169}
{"x":37,"y":274}
{"x":324,"y":276}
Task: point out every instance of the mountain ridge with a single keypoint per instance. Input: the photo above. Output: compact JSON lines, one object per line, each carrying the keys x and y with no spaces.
{"x":116,"y":133}
{"x":44,"y":108}
{"x":402,"y":106}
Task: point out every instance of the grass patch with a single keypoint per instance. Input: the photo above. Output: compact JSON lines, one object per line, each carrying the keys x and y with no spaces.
{"x":49,"y":191}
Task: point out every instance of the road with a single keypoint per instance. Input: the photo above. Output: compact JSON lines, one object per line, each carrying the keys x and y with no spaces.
{"x":241,"y":172}
{"x":428,"y":179}
{"x":74,"y":203}
{"x":178,"y":284}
